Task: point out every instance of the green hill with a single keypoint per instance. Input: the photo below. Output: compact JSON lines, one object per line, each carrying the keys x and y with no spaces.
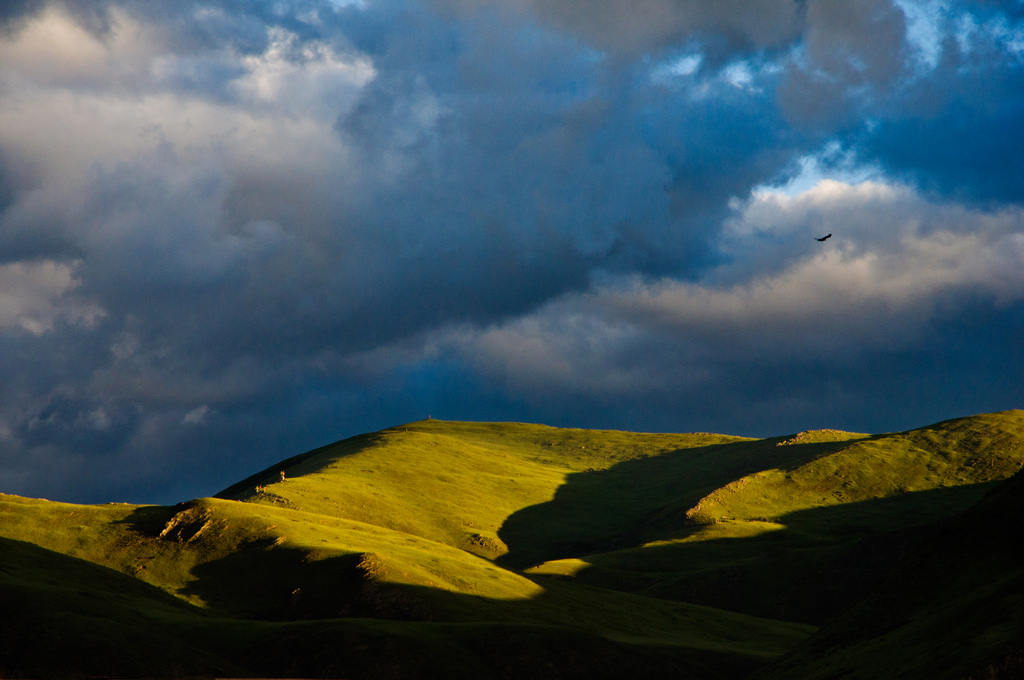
{"x":64,"y":617}
{"x":441,"y":549}
{"x":953,"y":610}
{"x":803,"y":539}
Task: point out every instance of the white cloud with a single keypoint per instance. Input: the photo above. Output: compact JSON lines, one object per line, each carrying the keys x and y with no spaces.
{"x":134,"y":175}
{"x":304,"y":79}
{"x":34,"y":295}
{"x":670,"y":72}
{"x":830,"y":162}
{"x":54,"y":50}
{"x":196,"y":416}
{"x":738,"y":74}
{"x":924,"y":28}
{"x":73,"y":102}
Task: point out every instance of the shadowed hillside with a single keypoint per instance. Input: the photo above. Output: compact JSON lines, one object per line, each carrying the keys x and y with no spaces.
{"x":810,"y":532}
{"x":954,"y":609}
{"x":264,"y":581}
{"x":443,"y":549}
{"x":65,"y":617}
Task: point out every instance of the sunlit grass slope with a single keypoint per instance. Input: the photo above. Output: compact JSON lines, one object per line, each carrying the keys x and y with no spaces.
{"x":956,"y":453}
{"x":519,"y":493}
{"x":953,"y":610}
{"x":805,"y":539}
{"x":658,"y":551}
{"x":458,"y":483}
{"x":212,"y":551}
{"x":256,"y":561}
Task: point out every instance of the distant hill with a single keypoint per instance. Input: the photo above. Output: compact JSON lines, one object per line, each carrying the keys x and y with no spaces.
{"x":440,"y":549}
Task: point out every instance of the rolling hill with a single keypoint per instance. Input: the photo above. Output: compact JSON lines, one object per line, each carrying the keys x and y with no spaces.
{"x":954,"y":609}
{"x":442,"y":549}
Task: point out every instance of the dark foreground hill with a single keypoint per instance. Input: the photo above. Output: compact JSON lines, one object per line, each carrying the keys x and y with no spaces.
{"x":954,"y":609}
{"x":442,"y":549}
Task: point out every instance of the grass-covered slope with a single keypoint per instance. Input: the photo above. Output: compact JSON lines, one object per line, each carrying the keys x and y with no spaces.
{"x":66,"y":617}
{"x":953,"y":610}
{"x":480,"y":550}
{"x":241,"y":564}
{"x":459,"y":483}
{"x":802,"y":540}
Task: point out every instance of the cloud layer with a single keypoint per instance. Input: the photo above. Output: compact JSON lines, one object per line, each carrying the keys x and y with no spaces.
{"x":816,"y":326}
{"x":231,"y":233}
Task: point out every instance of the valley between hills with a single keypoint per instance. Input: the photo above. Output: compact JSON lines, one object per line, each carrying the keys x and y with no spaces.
{"x":503,"y":550}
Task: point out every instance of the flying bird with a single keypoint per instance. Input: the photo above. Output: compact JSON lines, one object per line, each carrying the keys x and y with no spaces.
{"x":824,"y":237}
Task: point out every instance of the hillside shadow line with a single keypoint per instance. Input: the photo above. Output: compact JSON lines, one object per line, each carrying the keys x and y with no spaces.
{"x":642,"y":499}
{"x":821,"y":562}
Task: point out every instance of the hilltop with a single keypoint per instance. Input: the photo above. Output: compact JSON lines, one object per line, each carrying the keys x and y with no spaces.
{"x":496,"y":549}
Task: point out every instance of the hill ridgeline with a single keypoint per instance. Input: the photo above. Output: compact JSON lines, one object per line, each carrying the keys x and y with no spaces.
{"x":443,"y":549}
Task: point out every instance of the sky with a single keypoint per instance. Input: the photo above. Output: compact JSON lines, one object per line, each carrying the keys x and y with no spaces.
{"x":232,"y":231}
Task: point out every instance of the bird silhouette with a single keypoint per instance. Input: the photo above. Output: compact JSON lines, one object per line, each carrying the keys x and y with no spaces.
{"x":824,"y":238}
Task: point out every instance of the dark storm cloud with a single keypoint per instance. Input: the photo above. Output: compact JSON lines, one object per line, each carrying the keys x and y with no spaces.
{"x":15,"y":12}
{"x":912,"y":292}
{"x":1009,"y":8}
{"x":958,"y":131}
{"x":552,"y":144}
{"x":852,"y":52}
{"x":232,"y":231}
{"x":651,"y":24}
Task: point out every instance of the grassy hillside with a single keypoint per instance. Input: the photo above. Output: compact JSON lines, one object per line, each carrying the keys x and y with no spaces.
{"x":467,"y":549}
{"x":458,"y":483}
{"x":805,"y":539}
{"x":65,"y":617}
{"x":953,"y":610}
{"x":239,"y":564}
